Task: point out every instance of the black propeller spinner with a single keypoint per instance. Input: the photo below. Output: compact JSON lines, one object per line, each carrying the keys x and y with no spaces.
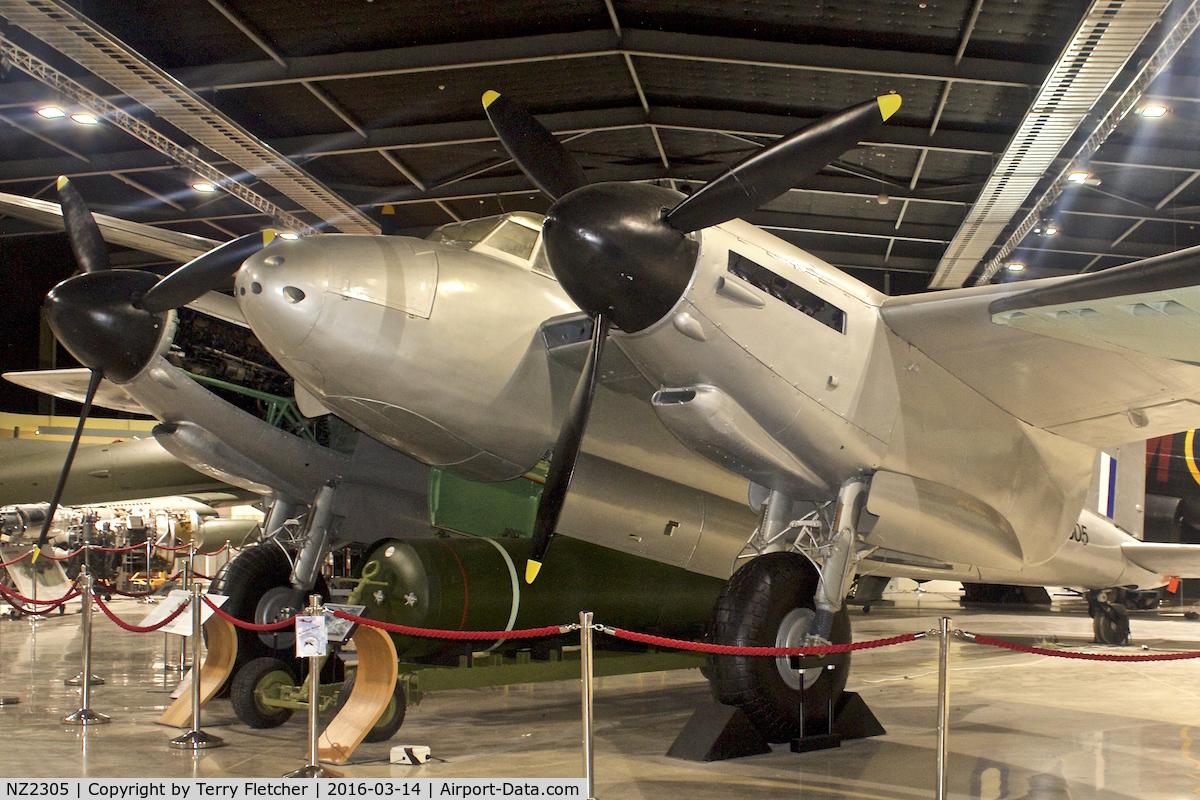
{"x":112,"y":320}
{"x":623,"y":251}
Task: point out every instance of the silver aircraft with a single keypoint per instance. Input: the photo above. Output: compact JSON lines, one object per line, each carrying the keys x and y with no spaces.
{"x":758,"y":409}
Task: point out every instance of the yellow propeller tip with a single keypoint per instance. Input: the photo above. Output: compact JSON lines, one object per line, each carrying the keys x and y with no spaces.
{"x":888,"y":104}
{"x":37,"y":551}
{"x":268,"y":236}
{"x":489,"y":97}
{"x":531,"y":570}
{"x":62,"y":181}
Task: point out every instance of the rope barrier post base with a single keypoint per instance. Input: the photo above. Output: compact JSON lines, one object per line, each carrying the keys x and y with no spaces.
{"x":585,"y":666}
{"x":313,"y":768}
{"x":943,"y":704}
{"x":85,"y":715}
{"x":196,"y":739}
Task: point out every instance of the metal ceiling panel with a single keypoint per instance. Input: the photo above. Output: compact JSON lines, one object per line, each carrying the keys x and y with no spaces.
{"x":1106,"y":38}
{"x":78,"y":38}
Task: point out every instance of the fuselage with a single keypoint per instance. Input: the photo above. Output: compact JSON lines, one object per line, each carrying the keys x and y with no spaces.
{"x":775,"y":366}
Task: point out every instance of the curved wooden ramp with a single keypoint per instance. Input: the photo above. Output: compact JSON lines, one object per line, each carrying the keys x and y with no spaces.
{"x":218,"y":663}
{"x":374,"y":684}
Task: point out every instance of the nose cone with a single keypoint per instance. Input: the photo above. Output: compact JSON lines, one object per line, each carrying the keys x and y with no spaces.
{"x":281,"y":290}
{"x":93,"y":316}
{"x":612,"y":250}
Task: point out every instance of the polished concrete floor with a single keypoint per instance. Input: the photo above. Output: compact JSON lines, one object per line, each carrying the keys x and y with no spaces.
{"x":1022,"y":726}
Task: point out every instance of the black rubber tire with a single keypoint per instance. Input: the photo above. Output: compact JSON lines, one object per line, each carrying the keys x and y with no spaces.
{"x":260,"y":673}
{"x":748,"y":613}
{"x":393,"y":715}
{"x":1111,"y":625}
{"x":244,"y":580}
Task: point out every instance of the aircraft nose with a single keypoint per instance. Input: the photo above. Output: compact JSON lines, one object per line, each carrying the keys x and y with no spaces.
{"x":281,"y":290}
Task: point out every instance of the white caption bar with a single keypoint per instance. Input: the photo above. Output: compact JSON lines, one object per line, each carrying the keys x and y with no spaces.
{"x":310,"y":789}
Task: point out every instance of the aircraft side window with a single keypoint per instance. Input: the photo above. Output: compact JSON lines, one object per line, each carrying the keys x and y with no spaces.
{"x":514,"y":239}
{"x":782,"y":289}
{"x":464,"y":234}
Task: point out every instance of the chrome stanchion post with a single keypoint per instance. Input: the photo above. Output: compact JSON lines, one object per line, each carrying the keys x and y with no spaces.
{"x":585,"y":667}
{"x":85,"y":715}
{"x":313,"y":768}
{"x":36,"y":616}
{"x":149,"y":585}
{"x":85,"y":609}
{"x":10,"y":700}
{"x":183,"y":640}
{"x":943,"y":704}
{"x":196,"y":739}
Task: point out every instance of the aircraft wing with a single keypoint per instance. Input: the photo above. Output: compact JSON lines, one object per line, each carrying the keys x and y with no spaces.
{"x":1102,"y":358}
{"x":163,"y":242}
{"x":71,"y":384}
{"x":169,"y":244}
{"x":1176,"y":560}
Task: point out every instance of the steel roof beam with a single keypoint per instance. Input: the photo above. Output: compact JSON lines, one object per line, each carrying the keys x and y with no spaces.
{"x":606,"y":43}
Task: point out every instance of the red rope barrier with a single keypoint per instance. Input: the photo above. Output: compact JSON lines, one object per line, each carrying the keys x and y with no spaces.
{"x":67,"y":557}
{"x":250,"y":626}
{"x":11,"y":595}
{"x":733,"y":650}
{"x":128,"y":549}
{"x":1042,"y":651}
{"x":108,"y":587}
{"x":19,"y":558}
{"x":530,"y":633}
{"x":50,"y":604}
{"x":137,"y":628}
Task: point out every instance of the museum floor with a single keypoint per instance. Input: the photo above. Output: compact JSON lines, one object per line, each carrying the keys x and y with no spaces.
{"x":1022,"y":726}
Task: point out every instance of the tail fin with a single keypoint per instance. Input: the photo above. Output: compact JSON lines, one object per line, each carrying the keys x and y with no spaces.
{"x":1118,"y":488}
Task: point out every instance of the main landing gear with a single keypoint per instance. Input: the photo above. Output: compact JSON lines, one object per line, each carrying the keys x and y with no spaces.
{"x":790,"y":594}
{"x":1110,"y":618}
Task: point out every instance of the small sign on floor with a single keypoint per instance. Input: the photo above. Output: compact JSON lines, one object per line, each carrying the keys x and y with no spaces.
{"x":410,"y":754}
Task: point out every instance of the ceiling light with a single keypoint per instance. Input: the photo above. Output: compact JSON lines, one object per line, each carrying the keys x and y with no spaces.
{"x":84,"y":118}
{"x":1050,"y":230}
{"x":204,"y":186}
{"x":51,"y":112}
{"x":289,"y":235}
{"x":1014,"y":266}
{"x":1078,"y":176}
{"x":1154,"y":111}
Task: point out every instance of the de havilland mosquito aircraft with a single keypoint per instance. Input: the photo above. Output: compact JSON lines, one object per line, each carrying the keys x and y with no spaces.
{"x":947,"y":435}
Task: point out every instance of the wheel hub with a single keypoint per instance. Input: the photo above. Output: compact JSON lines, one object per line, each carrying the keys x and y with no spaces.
{"x":793,"y":628}
{"x":277,"y":605}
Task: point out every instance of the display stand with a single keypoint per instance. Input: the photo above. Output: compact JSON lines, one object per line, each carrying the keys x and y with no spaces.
{"x":218,"y":664}
{"x":374,"y":685}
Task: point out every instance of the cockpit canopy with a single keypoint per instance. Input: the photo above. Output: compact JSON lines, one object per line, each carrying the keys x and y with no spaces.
{"x":515,"y":238}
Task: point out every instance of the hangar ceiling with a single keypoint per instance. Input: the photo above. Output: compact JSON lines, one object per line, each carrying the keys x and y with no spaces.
{"x":377,"y":102}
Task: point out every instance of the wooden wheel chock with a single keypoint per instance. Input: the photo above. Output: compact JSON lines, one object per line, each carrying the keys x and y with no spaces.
{"x":374,"y":684}
{"x":218,"y":663}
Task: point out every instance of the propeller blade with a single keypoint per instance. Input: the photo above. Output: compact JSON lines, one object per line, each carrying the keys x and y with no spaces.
{"x":566,"y":450}
{"x":763,"y":176}
{"x":93,"y":385}
{"x":91,"y":253}
{"x":539,"y":155}
{"x":203,"y":273}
